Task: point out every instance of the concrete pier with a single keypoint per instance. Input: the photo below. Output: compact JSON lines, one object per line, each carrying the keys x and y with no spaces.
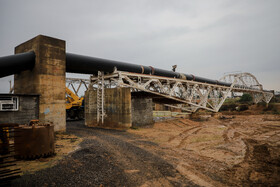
{"x":117,"y":107}
{"x":47,"y":78}
{"x":142,"y":111}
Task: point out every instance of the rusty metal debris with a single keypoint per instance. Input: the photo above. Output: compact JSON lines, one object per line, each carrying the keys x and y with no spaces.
{"x":29,"y":141}
{"x":7,"y":154}
{"x":34,"y":140}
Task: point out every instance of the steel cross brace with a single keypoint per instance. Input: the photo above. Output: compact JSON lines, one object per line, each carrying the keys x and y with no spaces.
{"x":195,"y":94}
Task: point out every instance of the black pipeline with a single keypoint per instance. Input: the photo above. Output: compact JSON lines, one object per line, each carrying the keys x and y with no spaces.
{"x":13,"y":64}
{"x":91,"y":65}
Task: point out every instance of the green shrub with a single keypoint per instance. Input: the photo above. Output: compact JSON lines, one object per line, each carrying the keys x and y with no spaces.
{"x":275,"y":111}
{"x":246,"y":98}
{"x":243,"y":107}
{"x":269,"y":108}
{"x":228,"y":107}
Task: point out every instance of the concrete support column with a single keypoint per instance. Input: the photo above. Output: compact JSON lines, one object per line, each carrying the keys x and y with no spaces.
{"x":117,"y":107}
{"x":142,"y":111}
{"x":47,"y":78}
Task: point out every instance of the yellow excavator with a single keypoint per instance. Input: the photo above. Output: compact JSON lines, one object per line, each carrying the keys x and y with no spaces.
{"x":74,"y":105}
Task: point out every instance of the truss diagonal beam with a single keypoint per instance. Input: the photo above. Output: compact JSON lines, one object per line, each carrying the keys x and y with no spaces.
{"x":195,"y":94}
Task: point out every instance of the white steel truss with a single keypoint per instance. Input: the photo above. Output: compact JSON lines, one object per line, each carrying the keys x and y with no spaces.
{"x":250,"y":82}
{"x":76,"y":84}
{"x":195,"y":94}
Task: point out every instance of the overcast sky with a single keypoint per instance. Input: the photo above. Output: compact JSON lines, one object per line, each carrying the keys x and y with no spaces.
{"x":204,"y":38}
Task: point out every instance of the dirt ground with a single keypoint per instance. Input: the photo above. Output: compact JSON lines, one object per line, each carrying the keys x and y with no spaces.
{"x":241,"y":150}
{"x":64,"y":144}
{"x":235,"y":150}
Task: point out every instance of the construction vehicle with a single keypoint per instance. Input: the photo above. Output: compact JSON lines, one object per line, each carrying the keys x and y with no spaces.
{"x":74,"y":105}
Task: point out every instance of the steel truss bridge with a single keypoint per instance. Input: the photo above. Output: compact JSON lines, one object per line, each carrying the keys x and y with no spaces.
{"x":76,"y":84}
{"x":195,"y":95}
{"x":193,"y":91}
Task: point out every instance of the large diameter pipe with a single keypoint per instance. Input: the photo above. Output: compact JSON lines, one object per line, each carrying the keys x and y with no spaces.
{"x":13,"y":64}
{"x":91,"y":65}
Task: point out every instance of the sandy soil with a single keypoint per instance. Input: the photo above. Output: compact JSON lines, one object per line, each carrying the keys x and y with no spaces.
{"x":238,"y":150}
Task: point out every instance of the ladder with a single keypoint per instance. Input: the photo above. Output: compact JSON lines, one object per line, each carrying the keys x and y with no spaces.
{"x":100,"y":97}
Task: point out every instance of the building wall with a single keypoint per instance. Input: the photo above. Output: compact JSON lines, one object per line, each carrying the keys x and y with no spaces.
{"x":28,"y":110}
{"x":142,"y":111}
{"x":117,"y":106}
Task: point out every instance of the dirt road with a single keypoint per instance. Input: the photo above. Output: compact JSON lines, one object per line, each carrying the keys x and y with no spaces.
{"x":109,"y":158}
{"x":238,"y":150}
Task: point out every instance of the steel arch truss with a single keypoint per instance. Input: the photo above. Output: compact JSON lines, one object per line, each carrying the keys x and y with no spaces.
{"x":248,"y":82}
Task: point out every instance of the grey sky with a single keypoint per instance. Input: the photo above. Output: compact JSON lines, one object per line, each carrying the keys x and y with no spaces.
{"x":204,"y":38}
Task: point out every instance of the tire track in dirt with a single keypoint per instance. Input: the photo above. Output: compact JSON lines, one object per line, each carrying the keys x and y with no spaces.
{"x":178,"y":140}
{"x":182,"y":133}
{"x":182,"y":142}
{"x":259,"y":166}
{"x":201,"y":170}
{"x":138,"y":164}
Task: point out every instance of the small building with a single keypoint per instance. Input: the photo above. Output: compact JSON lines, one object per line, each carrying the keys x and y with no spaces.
{"x":19,"y":108}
